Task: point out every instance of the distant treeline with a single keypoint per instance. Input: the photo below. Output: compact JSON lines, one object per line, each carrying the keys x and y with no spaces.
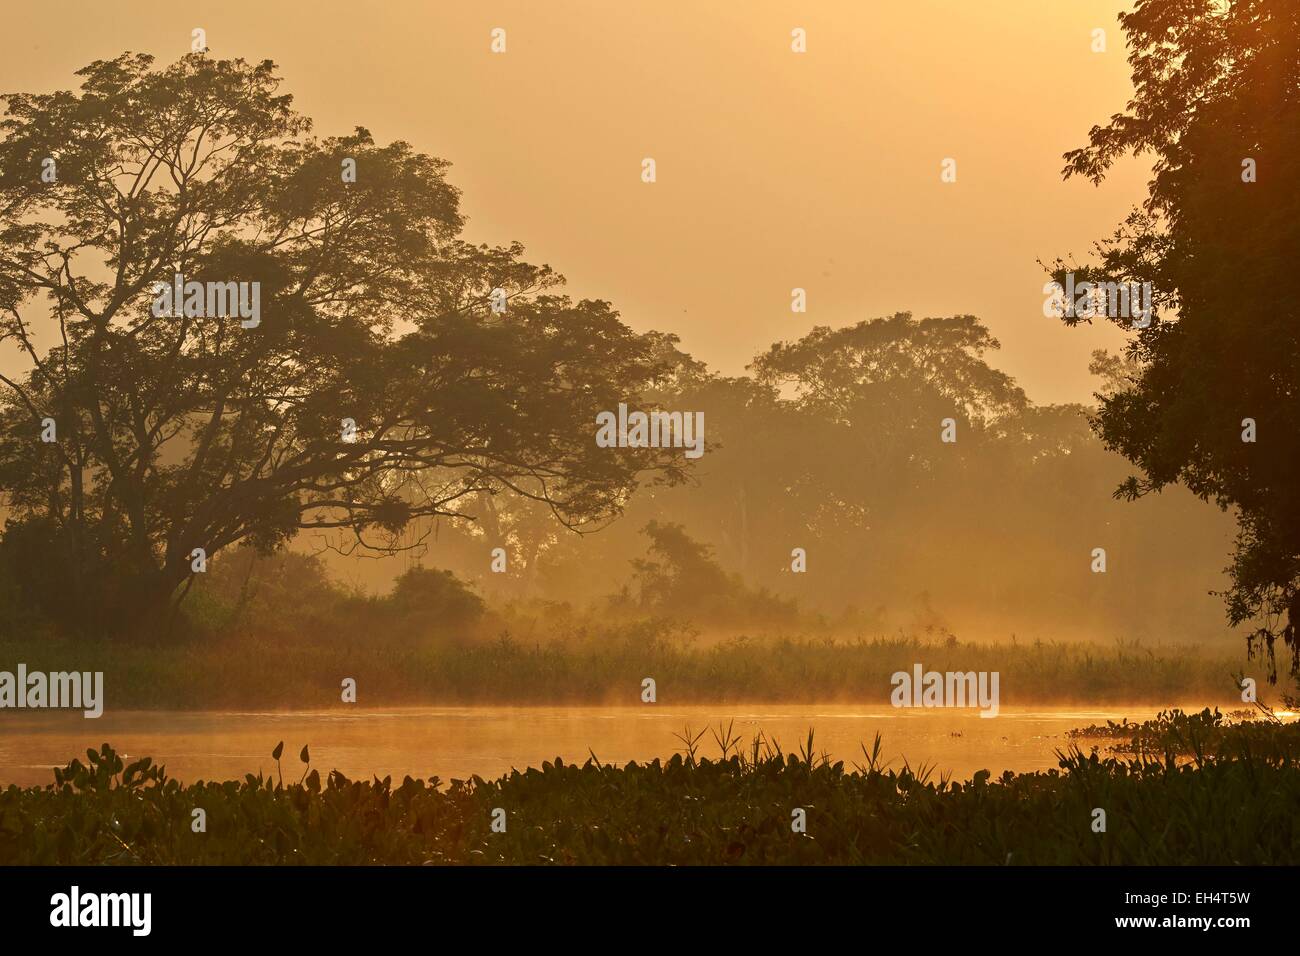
{"x":280,"y":631}
{"x":833,"y":446}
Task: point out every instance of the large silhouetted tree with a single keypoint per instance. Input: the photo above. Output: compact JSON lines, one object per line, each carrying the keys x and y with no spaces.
{"x":176,"y":429}
{"x":1217,"y":104}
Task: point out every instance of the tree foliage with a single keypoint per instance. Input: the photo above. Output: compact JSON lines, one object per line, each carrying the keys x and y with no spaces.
{"x":177,"y":432}
{"x":1217,"y":93}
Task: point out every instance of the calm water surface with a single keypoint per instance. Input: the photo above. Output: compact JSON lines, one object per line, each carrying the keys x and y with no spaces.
{"x":455,"y":742}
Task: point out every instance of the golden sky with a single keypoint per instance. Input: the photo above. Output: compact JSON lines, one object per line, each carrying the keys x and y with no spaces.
{"x":775,"y":169}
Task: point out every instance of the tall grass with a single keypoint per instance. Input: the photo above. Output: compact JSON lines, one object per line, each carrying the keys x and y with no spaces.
{"x":608,"y":667}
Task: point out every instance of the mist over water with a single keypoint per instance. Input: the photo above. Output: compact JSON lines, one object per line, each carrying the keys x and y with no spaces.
{"x":457,"y":742}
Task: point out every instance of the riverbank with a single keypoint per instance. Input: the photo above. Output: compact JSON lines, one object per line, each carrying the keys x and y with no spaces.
{"x":610,"y":667}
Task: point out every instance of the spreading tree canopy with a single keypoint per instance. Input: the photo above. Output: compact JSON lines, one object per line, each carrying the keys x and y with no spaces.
{"x":130,"y":436}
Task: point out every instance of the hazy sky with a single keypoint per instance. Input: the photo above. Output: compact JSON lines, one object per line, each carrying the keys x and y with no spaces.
{"x":775,"y":169}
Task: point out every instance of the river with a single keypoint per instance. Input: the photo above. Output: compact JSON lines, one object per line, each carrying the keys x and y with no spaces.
{"x":455,"y":742}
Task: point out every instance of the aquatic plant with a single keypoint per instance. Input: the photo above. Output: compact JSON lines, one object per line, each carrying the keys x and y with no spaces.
{"x":1232,"y":804}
